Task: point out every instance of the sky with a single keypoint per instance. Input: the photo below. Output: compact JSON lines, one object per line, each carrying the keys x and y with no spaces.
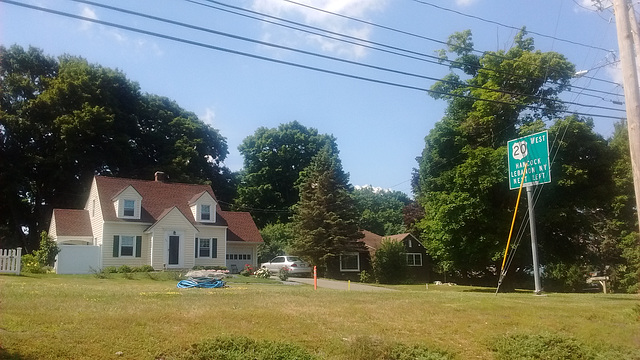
{"x":374,"y":102}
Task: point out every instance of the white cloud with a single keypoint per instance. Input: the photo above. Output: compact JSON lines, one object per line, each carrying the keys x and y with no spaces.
{"x":360,"y":9}
{"x":88,"y":13}
{"x":208,"y":116}
{"x":464,"y":3}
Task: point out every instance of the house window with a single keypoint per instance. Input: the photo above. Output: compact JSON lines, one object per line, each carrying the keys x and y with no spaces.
{"x":414,"y":259}
{"x":350,"y":262}
{"x":205,"y":212}
{"x":205,"y":248}
{"x":129,"y":208}
{"x":126,"y":245}
{"x":410,"y":244}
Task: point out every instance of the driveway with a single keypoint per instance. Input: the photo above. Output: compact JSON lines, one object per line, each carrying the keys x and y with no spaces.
{"x":338,"y":285}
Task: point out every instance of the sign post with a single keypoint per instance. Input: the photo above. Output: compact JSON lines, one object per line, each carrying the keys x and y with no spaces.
{"x":529,"y":165}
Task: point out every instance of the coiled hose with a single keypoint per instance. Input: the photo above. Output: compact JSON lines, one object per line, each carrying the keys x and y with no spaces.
{"x":201,"y":282}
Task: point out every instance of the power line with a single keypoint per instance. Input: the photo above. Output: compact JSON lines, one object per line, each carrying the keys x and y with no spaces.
{"x":508,"y":26}
{"x":308,"y":67}
{"x":362,"y":42}
{"x":403,"y":31}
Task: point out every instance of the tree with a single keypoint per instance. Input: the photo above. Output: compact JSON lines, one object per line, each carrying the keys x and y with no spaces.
{"x":380,"y":210}
{"x":462,"y":170}
{"x":277,"y":240}
{"x":325,"y":218}
{"x":390,"y":262}
{"x":273,"y":160}
{"x":63,"y":121}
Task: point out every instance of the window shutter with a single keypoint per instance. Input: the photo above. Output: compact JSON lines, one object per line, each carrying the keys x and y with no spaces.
{"x":116,"y":245}
{"x":214,"y":248}
{"x":138,"y":246}
{"x":196,"y":246}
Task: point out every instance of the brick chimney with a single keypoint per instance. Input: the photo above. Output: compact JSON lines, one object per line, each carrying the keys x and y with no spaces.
{"x":160,"y":176}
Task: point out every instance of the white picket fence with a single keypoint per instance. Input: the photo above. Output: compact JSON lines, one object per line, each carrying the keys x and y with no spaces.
{"x":10,"y":261}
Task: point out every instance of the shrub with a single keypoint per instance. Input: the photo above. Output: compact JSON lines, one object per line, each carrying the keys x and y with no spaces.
{"x":124,"y":269}
{"x":143,"y":268}
{"x":128,"y":275}
{"x":563,"y":277}
{"x":100,"y":273}
{"x":365,"y":277}
{"x":248,"y":270}
{"x":245,"y":348}
{"x":283,"y":274}
{"x":390,"y":263}
{"x":262,"y":273}
{"x":48,"y":250}
{"x":30,"y":264}
{"x":110,"y":270}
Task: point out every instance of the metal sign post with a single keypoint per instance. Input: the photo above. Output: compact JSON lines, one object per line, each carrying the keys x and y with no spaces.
{"x":529,"y":166}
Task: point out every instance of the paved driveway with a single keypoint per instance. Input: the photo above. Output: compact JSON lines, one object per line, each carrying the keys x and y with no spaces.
{"x":339,"y":285}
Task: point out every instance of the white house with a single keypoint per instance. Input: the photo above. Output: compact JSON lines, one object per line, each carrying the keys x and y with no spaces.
{"x":158,"y":223}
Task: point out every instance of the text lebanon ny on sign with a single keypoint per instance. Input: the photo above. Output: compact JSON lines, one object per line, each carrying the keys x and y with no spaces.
{"x":532,"y":151}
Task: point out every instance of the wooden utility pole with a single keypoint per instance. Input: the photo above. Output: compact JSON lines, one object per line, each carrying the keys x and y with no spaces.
{"x":631,"y":89}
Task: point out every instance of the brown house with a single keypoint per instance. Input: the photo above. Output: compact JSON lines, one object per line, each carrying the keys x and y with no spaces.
{"x":417,"y":258}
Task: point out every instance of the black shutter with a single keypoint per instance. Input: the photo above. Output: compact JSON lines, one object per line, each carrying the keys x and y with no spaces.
{"x":116,"y":245}
{"x":138,"y":246}
{"x":214,"y":248}
{"x":196,"y":246}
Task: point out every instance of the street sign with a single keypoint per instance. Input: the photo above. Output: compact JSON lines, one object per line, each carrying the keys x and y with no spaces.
{"x":532,"y":150}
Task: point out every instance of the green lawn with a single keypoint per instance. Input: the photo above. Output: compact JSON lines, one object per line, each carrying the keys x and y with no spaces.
{"x":82,"y":317}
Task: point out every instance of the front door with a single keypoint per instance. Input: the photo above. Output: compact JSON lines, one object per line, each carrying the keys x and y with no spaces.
{"x":174,"y":249}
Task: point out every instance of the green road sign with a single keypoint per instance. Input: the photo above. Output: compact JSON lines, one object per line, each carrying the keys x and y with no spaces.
{"x":532,"y":150}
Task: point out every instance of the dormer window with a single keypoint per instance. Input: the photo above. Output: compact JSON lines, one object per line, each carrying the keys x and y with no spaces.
{"x":128,"y":203}
{"x":129,"y":208}
{"x":205,"y":212}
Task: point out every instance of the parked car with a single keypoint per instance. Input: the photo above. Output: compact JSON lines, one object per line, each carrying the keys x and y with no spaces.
{"x":294,"y":264}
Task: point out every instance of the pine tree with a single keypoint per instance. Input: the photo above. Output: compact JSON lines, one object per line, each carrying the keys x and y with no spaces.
{"x":325,"y":218}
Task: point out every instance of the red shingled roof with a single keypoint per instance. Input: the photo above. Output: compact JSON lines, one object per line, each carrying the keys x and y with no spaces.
{"x":241,"y":227}
{"x":157,"y":197}
{"x":72,"y":222}
{"x":371,"y":240}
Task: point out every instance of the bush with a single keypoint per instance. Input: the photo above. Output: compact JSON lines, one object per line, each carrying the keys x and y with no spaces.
{"x":247,"y":271}
{"x":125,"y":269}
{"x":110,"y":270}
{"x":233,"y":348}
{"x":563,"y":277}
{"x":554,"y":346}
{"x":365,"y":277}
{"x":262,"y":273}
{"x":283,"y":274}
{"x":100,"y":273}
{"x":48,"y":250}
{"x":390,"y":263}
{"x":29,"y":264}
{"x":143,"y":268}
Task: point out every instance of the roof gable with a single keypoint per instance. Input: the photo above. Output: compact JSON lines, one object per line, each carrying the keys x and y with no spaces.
{"x":157,"y":196}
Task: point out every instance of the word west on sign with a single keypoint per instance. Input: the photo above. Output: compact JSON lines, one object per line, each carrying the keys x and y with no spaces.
{"x":532,"y":151}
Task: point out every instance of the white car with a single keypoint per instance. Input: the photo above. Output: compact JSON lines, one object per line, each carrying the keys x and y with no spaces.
{"x":293,"y":264}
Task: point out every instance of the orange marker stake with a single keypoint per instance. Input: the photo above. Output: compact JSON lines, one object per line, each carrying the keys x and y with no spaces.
{"x":315,"y":278}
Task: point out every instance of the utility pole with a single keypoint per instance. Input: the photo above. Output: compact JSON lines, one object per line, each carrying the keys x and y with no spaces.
{"x":631,"y":89}
{"x":534,"y":241}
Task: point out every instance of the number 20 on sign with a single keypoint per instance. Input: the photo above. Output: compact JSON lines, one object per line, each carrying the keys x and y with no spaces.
{"x":532,"y":150}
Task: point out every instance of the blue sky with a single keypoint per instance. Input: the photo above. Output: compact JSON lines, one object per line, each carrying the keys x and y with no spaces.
{"x":380,"y":129}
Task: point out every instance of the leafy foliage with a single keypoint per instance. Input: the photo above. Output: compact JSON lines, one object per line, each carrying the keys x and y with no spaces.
{"x":325,"y":217}
{"x":277,"y":240}
{"x":46,"y":254}
{"x":63,"y":121}
{"x":273,"y":160}
{"x":241,"y":347}
{"x":380,"y":210}
{"x":390,"y":262}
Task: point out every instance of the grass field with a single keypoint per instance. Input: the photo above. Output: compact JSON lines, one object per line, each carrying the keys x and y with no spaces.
{"x":82,"y":317}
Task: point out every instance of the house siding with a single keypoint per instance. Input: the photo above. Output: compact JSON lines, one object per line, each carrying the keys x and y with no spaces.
{"x":95,"y":214}
{"x":173,"y":221}
{"x":208,"y":232}
{"x":111,"y":229}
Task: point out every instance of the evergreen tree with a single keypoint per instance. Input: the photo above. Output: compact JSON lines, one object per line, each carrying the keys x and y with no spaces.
{"x":325,"y":218}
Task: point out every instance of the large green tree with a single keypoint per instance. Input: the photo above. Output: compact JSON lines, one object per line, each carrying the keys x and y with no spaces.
{"x":325,"y":218}
{"x":64,"y":120}
{"x":273,"y":160}
{"x":462,"y":170}
{"x":380,"y":210}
